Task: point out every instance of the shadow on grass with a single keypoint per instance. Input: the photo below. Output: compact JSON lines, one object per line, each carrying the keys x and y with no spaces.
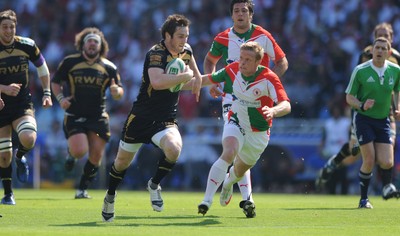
{"x":44,"y":199}
{"x":204,"y":222}
{"x":321,"y":209}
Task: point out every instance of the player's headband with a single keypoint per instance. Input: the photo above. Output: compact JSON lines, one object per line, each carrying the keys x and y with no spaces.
{"x":92,"y":36}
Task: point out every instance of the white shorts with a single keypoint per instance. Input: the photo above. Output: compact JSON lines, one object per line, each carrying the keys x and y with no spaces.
{"x":156,"y":139}
{"x":251,"y":144}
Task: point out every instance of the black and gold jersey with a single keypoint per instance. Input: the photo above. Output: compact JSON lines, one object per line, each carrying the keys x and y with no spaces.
{"x":158,"y":105}
{"x":14,"y":68}
{"x":86,"y":83}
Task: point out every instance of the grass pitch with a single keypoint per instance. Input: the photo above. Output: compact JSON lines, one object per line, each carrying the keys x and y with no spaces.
{"x":56,"y":212}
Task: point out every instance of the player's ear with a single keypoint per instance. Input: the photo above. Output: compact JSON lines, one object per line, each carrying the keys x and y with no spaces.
{"x":168,"y":36}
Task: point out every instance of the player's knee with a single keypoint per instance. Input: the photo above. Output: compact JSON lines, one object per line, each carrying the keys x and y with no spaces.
{"x":96,"y":161}
{"x":122,"y":163}
{"x":5,"y":156}
{"x":26,"y":131}
{"x":386,"y":164}
{"x":27,"y":139}
{"x":370,"y":162}
{"x":173,"y":151}
{"x":77,"y":152}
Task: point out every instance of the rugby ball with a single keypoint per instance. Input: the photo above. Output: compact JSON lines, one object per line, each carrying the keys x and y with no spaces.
{"x":175,"y":67}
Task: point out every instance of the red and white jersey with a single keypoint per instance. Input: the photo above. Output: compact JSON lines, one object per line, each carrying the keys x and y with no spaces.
{"x":250,"y":94}
{"x":227,"y":45}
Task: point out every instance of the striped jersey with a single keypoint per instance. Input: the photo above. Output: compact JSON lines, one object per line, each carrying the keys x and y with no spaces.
{"x":250,"y":94}
{"x":369,"y":82}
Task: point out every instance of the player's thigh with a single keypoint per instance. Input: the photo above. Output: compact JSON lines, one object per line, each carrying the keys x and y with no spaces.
{"x":254,"y":146}
{"x":170,"y":142}
{"x":241,"y":167}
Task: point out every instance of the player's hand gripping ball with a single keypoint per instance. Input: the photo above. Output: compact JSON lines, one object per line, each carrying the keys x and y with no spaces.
{"x":175,"y":67}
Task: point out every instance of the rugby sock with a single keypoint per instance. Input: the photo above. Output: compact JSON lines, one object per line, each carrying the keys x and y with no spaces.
{"x":21,"y":151}
{"x":215,"y":177}
{"x":343,"y":153}
{"x":230,"y":179}
{"x":364,"y":183}
{"x":245,"y":186}
{"x":164,"y":167}
{"x":5,"y":175}
{"x":115,"y":179}
{"x":386,"y":175}
{"x":89,"y":172}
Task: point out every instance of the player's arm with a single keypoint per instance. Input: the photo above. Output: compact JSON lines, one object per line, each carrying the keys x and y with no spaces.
{"x":1,"y":102}
{"x":280,"y":109}
{"x":11,"y":89}
{"x":396,"y":101}
{"x":57,"y":90}
{"x":280,"y":67}
{"x":44,"y":75}
{"x":116,"y":90}
{"x":359,"y":105}
{"x":206,"y":80}
{"x":209,"y":65}
{"x":159,"y":80}
{"x":197,"y":78}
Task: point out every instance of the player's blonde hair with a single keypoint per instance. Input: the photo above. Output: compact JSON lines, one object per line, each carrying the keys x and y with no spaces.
{"x":255,"y":47}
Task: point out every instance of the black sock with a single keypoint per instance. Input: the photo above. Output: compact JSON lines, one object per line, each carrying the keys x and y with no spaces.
{"x":164,"y":167}
{"x":343,"y":153}
{"x":6,"y":177}
{"x":115,"y":179}
{"x":364,"y":184}
{"x":21,"y":151}
{"x":386,"y":175}
{"x":89,"y":172}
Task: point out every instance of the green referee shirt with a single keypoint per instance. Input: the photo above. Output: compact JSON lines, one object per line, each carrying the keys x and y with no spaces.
{"x":370,"y":82}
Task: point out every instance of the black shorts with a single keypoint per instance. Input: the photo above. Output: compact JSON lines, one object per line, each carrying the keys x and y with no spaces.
{"x":141,"y":130}
{"x":10,"y":114}
{"x":99,"y":125}
{"x":372,"y":130}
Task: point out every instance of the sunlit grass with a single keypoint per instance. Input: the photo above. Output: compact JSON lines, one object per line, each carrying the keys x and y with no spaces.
{"x":56,"y":212}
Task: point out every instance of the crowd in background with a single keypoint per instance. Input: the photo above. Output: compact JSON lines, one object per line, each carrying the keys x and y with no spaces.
{"x":322,"y":40}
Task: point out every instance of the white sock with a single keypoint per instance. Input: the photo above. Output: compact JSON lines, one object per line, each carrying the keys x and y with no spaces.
{"x":231,"y":179}
{"x":215,"y":177}
{"x":245,"y":186}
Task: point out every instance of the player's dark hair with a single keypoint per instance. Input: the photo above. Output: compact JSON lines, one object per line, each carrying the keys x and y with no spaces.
{"x":8,"y":15}
{"x":172,"y":22}
{"x":79,"y":40}
{"x":250,"y":5}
